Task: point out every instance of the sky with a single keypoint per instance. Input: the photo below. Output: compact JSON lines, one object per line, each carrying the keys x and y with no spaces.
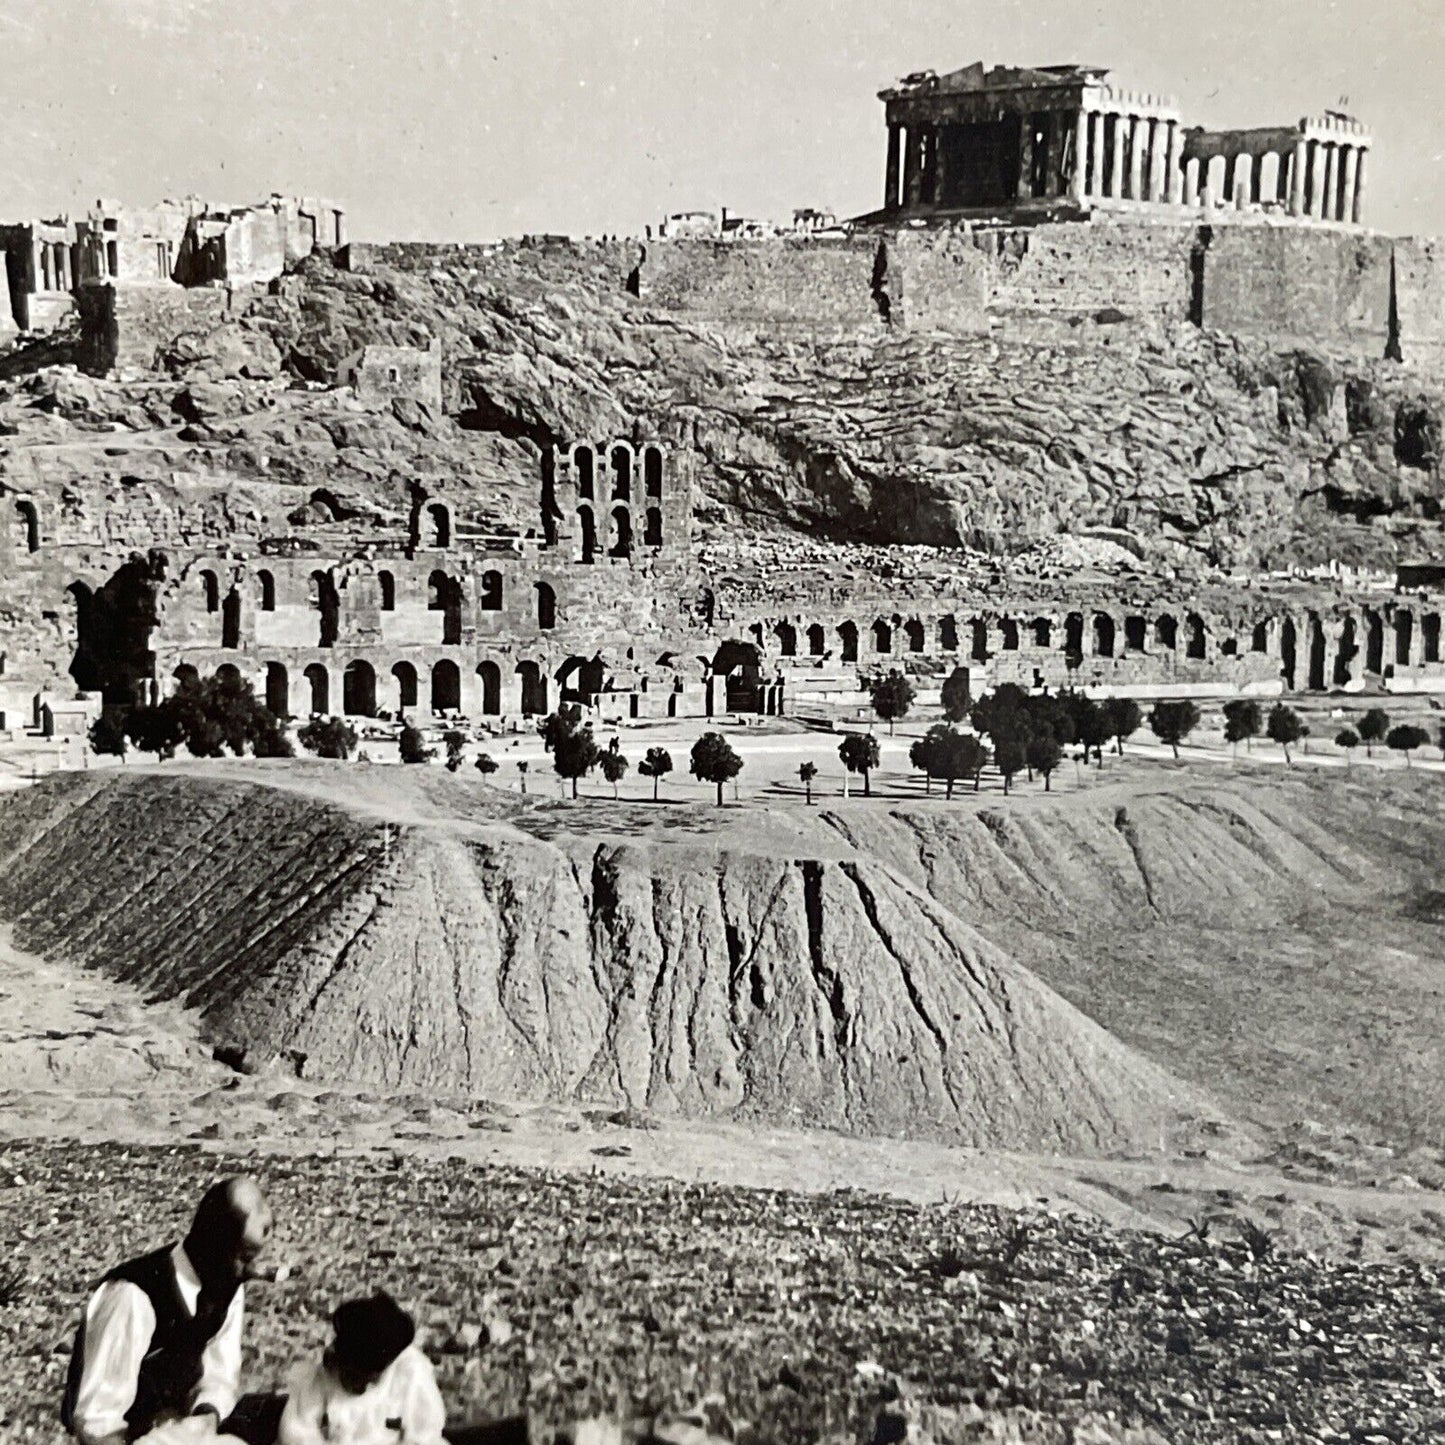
{"x":472,"y":119}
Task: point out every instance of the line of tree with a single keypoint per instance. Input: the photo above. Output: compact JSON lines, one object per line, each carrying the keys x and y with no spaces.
{"x":206,"y":716}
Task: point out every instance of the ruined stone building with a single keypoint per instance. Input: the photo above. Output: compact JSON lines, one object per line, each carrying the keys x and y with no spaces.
{"x":1062,"y":141}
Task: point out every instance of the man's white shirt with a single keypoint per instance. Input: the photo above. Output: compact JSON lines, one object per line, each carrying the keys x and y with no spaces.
{"x":119,"y":1324}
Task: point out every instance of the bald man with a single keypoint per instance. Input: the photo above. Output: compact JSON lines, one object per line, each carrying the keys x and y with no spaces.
{"x":161,"y":1339}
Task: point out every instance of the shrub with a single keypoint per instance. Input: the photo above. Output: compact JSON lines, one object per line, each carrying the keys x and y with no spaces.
{"x":1373,"y":727}
{"x":413,"y":746}
{"x":107,"y":735}
{"x":614,"y":765}
{"x":485,"y":764}
{"x":456,"y":743}
{"x":329,"y":737}
{"x":1405,"y":739}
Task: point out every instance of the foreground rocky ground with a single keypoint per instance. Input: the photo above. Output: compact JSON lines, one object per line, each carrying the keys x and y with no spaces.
{"x":838,"y":1316}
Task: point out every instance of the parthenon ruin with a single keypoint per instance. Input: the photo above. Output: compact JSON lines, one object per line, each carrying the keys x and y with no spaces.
{"x":1062,"y":140}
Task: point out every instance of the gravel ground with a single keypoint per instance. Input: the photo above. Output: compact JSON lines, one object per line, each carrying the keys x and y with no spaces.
{"x":838,"y":1316}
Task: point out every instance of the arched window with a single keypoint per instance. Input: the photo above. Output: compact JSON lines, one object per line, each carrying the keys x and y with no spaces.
{"x":406,"y":685}
{"x":913,"y":631}
{"x":278,"y":690}
{"x":1196,"y":636}
{"x":948,"y":633}
{"x":652,"y":531}
{"x":621,"y":532}
{"x":1166,"y":631}
{"x":1374,"y":642}
{"x":444,"y":595}
{"x":1008,"y":628}
{"x":1074,"y":634}
{"x":1430,"y":636}
{"x":533,"y":689}
{"x":546,"y":607}
{"x":621,"y":460}
{"x":1404,"y":636}
{"x":787,"y":636}
{"x":446,"y":687}
{"x":319,"y":681}
{"x":231,"y":619}
{"x":490,"y":676}
{"x":325,"y":600}
{"x":1043,"y":632}
{"x":848,"y":637}
{"x":438,"y":529}
{"x":586,"y":472}
{"x":1136,"y":631}
{"x":652,"y":472}
{"x":211,"y":590}
{"x":358,"y":690}
{"x":817,"y":640}
{"x":268,"y":590}
{"x":228,"y":674}
{"x":1259,"y":639}
{"x":386,"y":585}
{"x":27,"y":526}
{"x":587,"y":524}
{"x":491,"y":599}
{"x":979,"y":650}
{"x":1103,"y":635}
{"x":882,"y":636}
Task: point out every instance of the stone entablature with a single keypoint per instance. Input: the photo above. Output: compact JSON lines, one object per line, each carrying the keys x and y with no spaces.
{"x":1031,"y":143}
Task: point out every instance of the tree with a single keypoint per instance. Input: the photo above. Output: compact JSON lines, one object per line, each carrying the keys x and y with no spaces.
{"x":956,"y":755}
{"x":1373,"y":727}
{"x":860,"y":754}
{"x":1010,"y":753}
{"x":1405,"y":739}
{"x":1123,"y":719}
{"x":155,"y":730}
{"x":920,"y":754}
{"x":328,"y":737}
{"x":714,"y":761}
{"x":1172,"y":722}
{"x":614,"y":765}
{"x":1091,"y":727}
{"x":107,"y":735}
{"x":1000,"y":710}
{"x":892,"y":696}
{"x":456,"y":743}
{"x":485,"y":764}
{"x":1044,"y":752}
{"x":1284,"y":727}
{"x":955,"y":695}
{"x":1349,"y":740}
{"x":657,"y":764}
{"x":575,"y":753}
{"x":806,"y":773}
{"x":412,"y":745}
{"x":522,"y":766}
{"x":1242,"y":721}
{"x":208,"y":716}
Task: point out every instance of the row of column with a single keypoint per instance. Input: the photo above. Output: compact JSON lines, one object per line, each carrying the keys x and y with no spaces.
{"x":1319,"y":179}
{"x":52,"y":266}
{"x":1125,"y":157}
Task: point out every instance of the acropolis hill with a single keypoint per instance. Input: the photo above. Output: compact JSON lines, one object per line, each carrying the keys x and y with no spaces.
{"x":1170,"y":420}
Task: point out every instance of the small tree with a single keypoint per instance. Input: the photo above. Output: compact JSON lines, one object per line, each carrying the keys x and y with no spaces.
{"x":1405,"y":739}
{"x":575,"y":753}
{"x":892,"y":696}
{"x":714,"y":761}
{"x":107,"y":735}
{"x":1044,"y":752}
{"x":328,"y":737}
{"x":456,"y":743}
{"x":921,"y":755}
{"x":1010,"y":754}
{"x":1122,"y":718}
{"x":955,"y":696}
{"x":860,"y":754}
{"x":806,"y":773}
{"x":1242,"y":721}
{"x":1373,"y":727}
{"x":1285,"y":728}
{"x":1091,"y":726}
{"x":614,"y":765}
{"x":522,"y":766}
{"x":155,"y":730}
{"x":413,"y":745}
{"x":1000,"y":710}
{"x":485,"y":764}
{"x":1172,"y":722}
{"x":1349,"y":740}
{"x":657,"y":764}
{"x":957,"y":755}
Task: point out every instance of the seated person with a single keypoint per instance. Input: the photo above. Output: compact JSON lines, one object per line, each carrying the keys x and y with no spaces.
{"x":372,"y":1386}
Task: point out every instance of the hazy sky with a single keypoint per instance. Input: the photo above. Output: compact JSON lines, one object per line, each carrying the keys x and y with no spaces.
{"x":467,"y":119}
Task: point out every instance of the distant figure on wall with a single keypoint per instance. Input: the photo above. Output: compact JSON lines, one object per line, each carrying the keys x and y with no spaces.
{"x":158,"y":1353}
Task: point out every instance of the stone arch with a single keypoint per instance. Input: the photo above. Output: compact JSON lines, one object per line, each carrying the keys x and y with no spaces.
{"x":1136,"y":633}
{"x":1288,"y":652}
{"x":948,"y":633}
{"x":1259,"y":637}
{"x":358,"y":689}
{"x":740,"y":665}
{"x":407,"y":689}
{"x":491,"y":595}
{"x":386,"y":584}
{"x":1103,"y":635}
{"x":979,"y":649}
{"x":231,"y":619}
{"x":652,"y":472}
{"x":587,"y":526}
{"x":652,"y":528}
{"x":211,"y":590}
{"x":27,"y":525}
{"x":817,"y":640}
{"x":848,"y":641}
{"x":85,"y":666}
{"x":585,"y":467}
{"x":319,"y":681}
{"x":444,"y":595}
{"x":186,"y":675}
{"x":1043,"y":629}
{"x":913,"y":635}
{"x":581,"y":680}
{"x":787,"y":636}
{"x":1074,"y":634}
{"x":490,"y":675}
{"x":436,"y":525}
{"x":1166,"y":631}
{"x":326,"y":601}
{"x":1430,"y":637}
{"x":621,"y":531}
{"x":266,"y":581}
{"x":1317,"y":654}
{"x":546,"y":606}
{"x":1404,"y":636}
{"x":620,"y":460}
{"x":882,"y":636}
{"x":278,"y":689}
{"x":533,"y":699}
{"x":446,"y":687}
{"x":228,"y":674}
{"x":1345,"y":651}
{"x":1198,"y":641}
{"x":1009,"y":631}
{"x":1374,"y":642}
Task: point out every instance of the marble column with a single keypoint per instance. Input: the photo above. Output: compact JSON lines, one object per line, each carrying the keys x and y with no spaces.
{"x":1332,"y":157}
{"x":1116,"y":180}
{"x":1156,"y":160}
{"x":1191,"y":181}
{"x":1026,"y":158}
{"x":1299,"y":166}
{"x":1079,"y":179}
{"x":1358,"y":200}
{"x":1282,"y":178}
{"x":1096,"y":153}
{"x":890,"y":176}
{"x":1173,"y":176}
{"x":1138,"y":135}
{"x":940,"y":164}
{"x":913,"y":167}
{"x":1347,"y":190}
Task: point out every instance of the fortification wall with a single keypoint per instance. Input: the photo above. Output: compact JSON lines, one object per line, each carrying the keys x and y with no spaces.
{"x":1420,"y":297}
{"x":1294,"y":284}
{"x":943,"y":283}
{"x":123,"y":327}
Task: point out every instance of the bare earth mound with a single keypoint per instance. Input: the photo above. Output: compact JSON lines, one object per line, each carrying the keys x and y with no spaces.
{"x":473,"y":957}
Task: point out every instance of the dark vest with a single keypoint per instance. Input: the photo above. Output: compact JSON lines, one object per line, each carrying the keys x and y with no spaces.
{"x":171,"y":1369}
